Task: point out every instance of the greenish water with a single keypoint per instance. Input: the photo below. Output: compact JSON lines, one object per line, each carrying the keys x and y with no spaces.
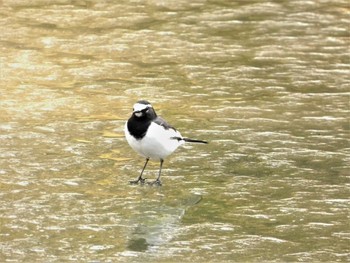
{"x":266,"y":82}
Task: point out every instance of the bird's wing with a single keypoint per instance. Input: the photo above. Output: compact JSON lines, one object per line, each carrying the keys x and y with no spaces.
{"x":163,"y":123}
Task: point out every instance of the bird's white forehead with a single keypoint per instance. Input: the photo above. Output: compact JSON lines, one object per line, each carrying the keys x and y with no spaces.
{"x":140,"y":107}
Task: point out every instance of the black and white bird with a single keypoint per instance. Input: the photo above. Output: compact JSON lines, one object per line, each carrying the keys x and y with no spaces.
{"x":152,"y":137}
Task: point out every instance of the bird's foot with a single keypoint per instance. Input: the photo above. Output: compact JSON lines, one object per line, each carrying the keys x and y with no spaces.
{"x":156,"y":183}
{"x":140,"y":179}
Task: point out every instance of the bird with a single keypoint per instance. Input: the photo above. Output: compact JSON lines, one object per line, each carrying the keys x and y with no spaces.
{"x":152,"y":137}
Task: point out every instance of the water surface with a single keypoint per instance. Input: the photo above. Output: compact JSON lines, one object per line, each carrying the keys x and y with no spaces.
{"x":266,"y":82}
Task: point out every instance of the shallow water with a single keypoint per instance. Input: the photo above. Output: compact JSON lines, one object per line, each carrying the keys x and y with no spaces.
{"x":265,"y":82}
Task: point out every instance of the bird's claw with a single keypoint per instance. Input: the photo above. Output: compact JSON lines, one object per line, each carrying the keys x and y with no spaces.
{"x":140,"y":179}
{"x":143,"y":181}
{"x":156,"y":182}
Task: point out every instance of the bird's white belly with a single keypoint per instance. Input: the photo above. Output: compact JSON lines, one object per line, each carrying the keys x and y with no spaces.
{"x":157,"y":143}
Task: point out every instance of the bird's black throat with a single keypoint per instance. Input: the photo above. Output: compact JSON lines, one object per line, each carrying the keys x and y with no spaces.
{"x":138,"y":126}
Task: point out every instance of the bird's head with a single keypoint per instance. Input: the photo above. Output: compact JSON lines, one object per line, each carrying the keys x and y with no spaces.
{"x":143,"y":109}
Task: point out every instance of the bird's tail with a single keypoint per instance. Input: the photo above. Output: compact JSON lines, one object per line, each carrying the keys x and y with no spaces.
{"x":188,"y":140}
{"x":193,"y":140}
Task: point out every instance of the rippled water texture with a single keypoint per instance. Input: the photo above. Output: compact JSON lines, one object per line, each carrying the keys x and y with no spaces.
{"x":266,"y":82}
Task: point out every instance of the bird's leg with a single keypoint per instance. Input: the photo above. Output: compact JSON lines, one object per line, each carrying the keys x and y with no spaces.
{"x":157,"y":181}
{"x":140,"y":177}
